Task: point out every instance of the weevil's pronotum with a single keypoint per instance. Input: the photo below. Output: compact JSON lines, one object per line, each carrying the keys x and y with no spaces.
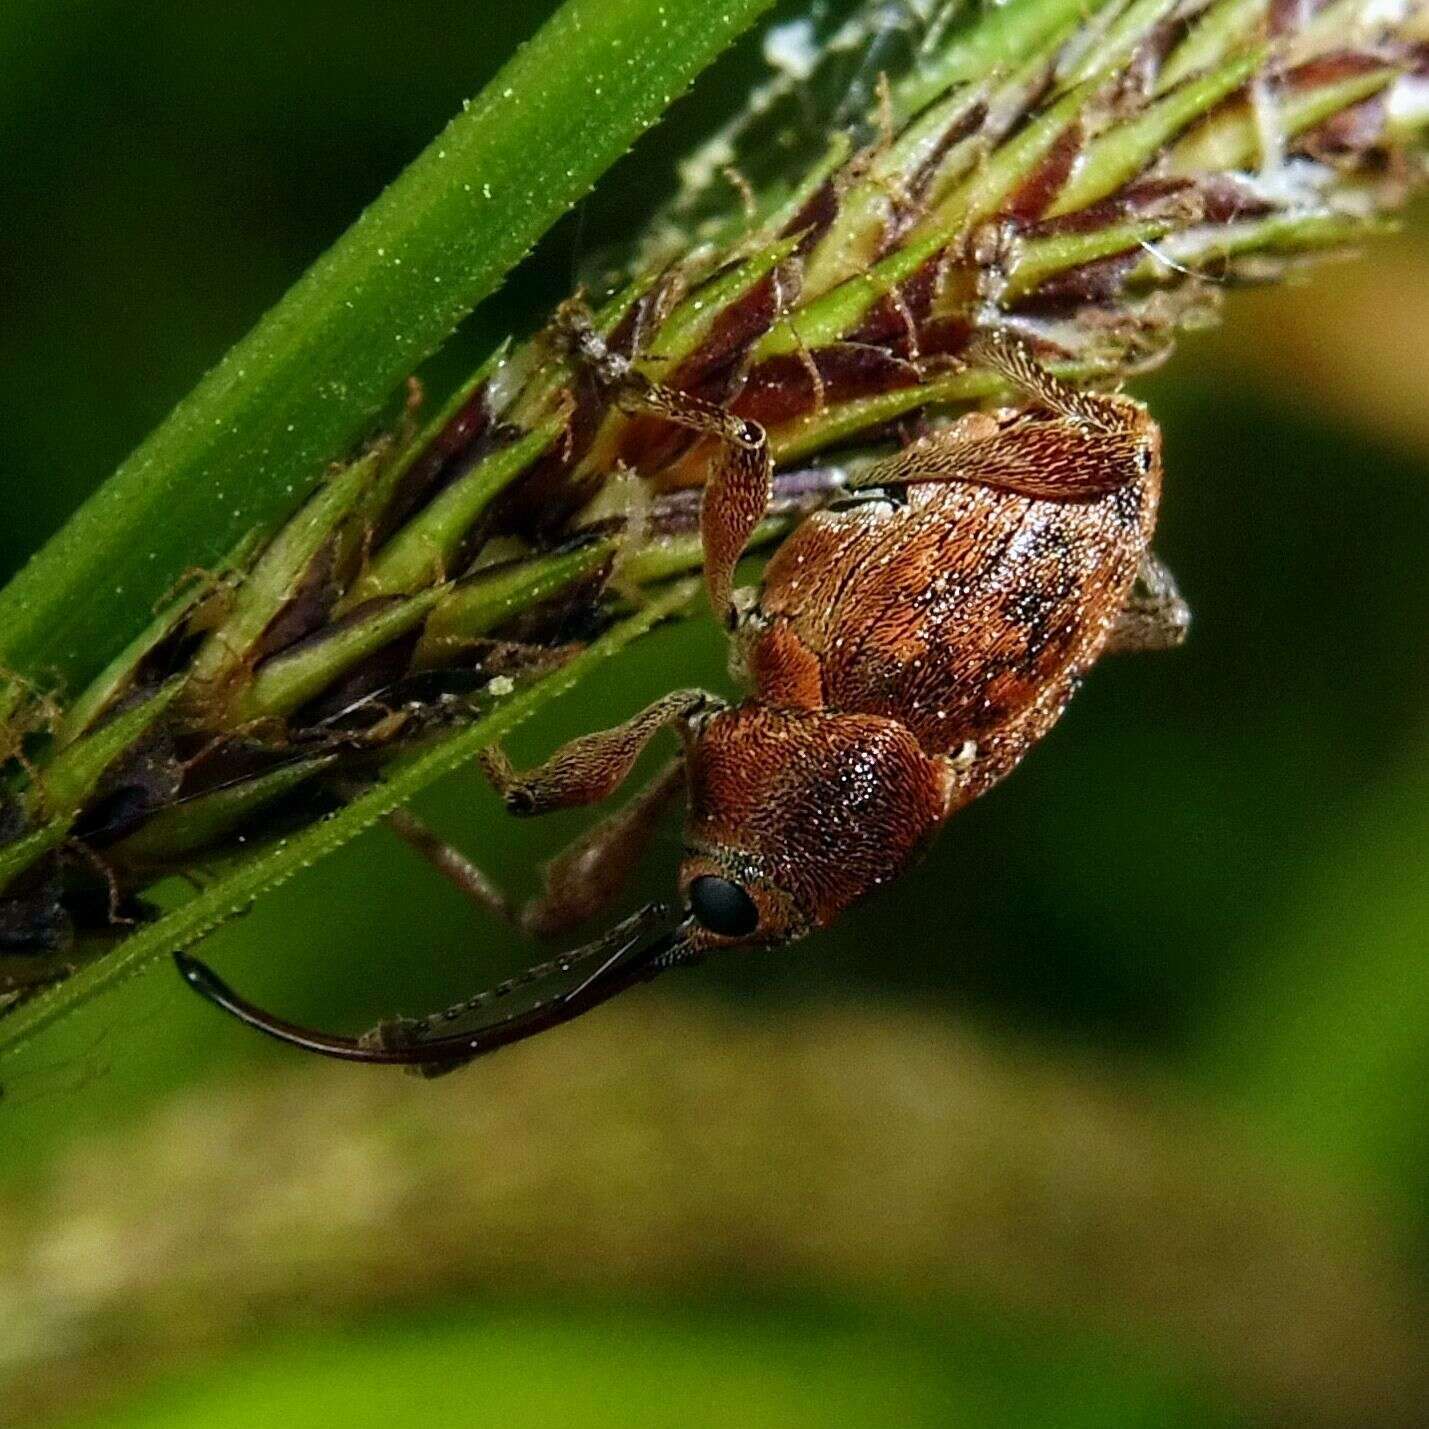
{"x":907,"y":647}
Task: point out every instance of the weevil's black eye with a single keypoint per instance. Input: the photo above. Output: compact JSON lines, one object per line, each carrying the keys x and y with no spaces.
{"x":723,"y":907}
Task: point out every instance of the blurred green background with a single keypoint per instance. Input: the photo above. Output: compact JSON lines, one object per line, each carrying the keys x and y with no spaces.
{"x":1112,"y":1113}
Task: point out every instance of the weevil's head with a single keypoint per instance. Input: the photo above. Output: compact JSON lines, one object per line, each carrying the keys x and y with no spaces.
{"x":796,"y":814}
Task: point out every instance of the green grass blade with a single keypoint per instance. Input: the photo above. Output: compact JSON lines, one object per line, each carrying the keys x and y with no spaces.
{"x":309,"y":380}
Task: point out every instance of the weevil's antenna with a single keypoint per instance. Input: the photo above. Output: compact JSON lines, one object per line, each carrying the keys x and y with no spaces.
{"x":622,"y":958}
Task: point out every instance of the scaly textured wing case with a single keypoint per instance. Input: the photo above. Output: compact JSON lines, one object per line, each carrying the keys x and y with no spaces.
{"x":952,"y":611}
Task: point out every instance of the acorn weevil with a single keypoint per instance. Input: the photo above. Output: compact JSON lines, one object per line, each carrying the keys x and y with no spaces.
{"x":908,"y":645}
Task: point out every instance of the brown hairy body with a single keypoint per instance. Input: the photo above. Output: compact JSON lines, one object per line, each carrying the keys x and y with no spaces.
{"x":908,"y":647}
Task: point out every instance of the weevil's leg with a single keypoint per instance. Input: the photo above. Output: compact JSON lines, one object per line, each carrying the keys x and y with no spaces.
{"x":735,"y":501}
{"x":106,"y":872}
{"x":593,"y":766}
{"x":452,"y":864}
{"x":740,"y":484}
{"x":429,"y":845}
{"x":1155,"y":616}
{"x":1056,"y":460}
{"x":585,"y":877}
{"x":589,"y":873}
{"x":579,"y":882}
{"x":1095,"y":444}
{"x":741,"y":480}
{"x":1013,"y":360}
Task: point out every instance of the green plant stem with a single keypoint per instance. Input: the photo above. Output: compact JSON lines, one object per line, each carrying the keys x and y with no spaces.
{"x":305,"y":385}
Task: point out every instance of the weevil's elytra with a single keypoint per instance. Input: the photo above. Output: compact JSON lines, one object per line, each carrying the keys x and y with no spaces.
{"x":953,"y":612}
{"x":907,"y":647}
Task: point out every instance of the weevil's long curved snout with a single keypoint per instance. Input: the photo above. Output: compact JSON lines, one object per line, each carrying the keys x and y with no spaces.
{"x":634,"y":951}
